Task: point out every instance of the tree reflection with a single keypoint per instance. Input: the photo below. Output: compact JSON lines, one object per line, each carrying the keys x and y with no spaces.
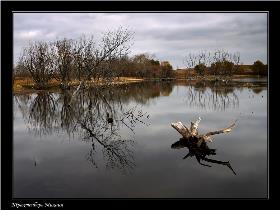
{"x":200,"y":150}
{"x":257,"y":90}
{"x":98,"y":115}
{"x":117,"y":151}
{"x":218,"y":95}
{"x":212,"y":96}
{"x":43,"y":113}
{"x":22,"y":102}
{"x":67,"y":116}
{"x":103,"y":115}
{"x":141,"y":93}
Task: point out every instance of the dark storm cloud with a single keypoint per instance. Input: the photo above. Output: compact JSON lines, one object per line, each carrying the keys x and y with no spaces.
{"x":170,"y":36}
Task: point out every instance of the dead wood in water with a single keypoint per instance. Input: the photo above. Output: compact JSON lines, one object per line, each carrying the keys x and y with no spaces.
{"x":192,"y":133}
{"x":197,"y":144}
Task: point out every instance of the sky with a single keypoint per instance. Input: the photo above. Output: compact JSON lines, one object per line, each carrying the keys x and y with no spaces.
{"x":166,"y":36}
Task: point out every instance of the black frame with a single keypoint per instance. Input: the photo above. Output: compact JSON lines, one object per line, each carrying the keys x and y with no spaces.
{"x":7,"y":9}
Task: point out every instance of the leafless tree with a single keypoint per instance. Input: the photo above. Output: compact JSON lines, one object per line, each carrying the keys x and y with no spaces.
{"x":38,"y":61}
{"x":63,"y":60}
{"x":193,"y":59}
{"x":79,"y":57}
{"x":114,"y":44}
{"x":84,"y":59}
{"x":225,"y":63}
{"x":219,"y":62}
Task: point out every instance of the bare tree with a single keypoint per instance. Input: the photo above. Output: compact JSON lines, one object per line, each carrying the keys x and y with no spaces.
{"x":85,"y":59}
{"x":38,"y":61}
{"x":219,"y":62}
{"x":114,"y":44}
{"x":63,"y":60}
{"x":202,"y":57}
{"x":79,"y":57}
{"x":225,"y":63}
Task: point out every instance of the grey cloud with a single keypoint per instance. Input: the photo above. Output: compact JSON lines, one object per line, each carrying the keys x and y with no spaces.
{"x":168,"y":35}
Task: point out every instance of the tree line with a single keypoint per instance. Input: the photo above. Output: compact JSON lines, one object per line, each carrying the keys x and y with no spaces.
{"x":222,"y":63}
{"x":87,"y":59}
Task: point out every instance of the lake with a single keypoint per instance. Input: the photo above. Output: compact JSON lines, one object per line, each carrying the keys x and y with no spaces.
{"x":116,"y":142}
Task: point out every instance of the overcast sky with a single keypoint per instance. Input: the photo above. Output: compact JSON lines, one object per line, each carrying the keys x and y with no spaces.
{"x":169,"y":36}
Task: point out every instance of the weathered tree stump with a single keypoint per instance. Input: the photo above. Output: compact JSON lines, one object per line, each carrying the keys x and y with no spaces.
{"x":197,"y":144}
{"x":192,"y":133}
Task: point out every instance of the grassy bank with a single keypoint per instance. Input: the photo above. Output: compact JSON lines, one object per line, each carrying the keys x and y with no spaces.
{"x":26,"y":85}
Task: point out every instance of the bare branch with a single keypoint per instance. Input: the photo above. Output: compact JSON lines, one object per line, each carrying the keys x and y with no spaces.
{"x":225,"y":130}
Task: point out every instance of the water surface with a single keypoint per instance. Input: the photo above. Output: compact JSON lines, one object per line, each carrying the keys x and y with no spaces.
{"x":66,"y":147}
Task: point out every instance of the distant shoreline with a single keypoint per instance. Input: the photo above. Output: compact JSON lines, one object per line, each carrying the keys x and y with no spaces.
{"x":25,"y":85}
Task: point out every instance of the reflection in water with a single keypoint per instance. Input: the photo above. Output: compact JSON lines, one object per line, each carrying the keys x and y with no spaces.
{"x":22,"y":103}
{"x":200,"y":151}
{"x":117,"y":151}
{"x":101,"y":124}
{"x":97,"y":115}
{"x":218,"y":96}
{"x":42,"y":114}
{"x":46,"y":112}
{"x":212,"y":96}
{"x":104,"y":129}
{"x":67,"y":116}
{"x":101,"y":115}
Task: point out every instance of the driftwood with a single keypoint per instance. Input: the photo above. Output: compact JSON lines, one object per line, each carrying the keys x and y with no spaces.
{"x":192,"y":133}
{"x":197,"y":144}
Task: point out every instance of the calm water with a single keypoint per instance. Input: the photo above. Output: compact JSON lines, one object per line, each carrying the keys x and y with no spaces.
{"x":73,"y":151}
